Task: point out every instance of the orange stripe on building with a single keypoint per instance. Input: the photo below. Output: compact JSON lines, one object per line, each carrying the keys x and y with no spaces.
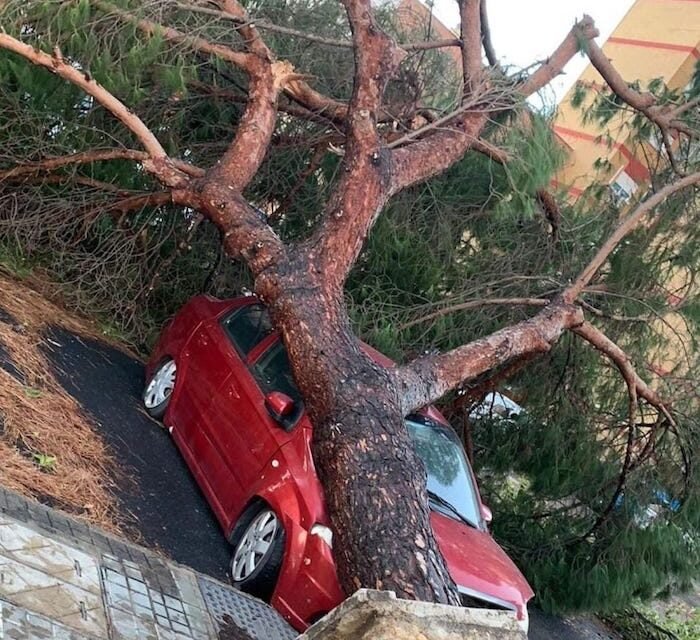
{"x":582,"y":135}
{"x":636,"y":170}
{"x":651,"y":44}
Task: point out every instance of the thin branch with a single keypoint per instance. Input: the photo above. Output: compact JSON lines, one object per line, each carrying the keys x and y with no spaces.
{"x":444,"y":122}
{"x":85,"y":181}
{"x":158,"y":162}
{"x":620,"y":359}
{"x":151,"y":28}
{"x":295,"y":110}
{"x":686,"y":106}
{"x":486,"y":36}
{"x":625,"y":227}
{"x":266,"y":25}
{"x":314,"y":164}
{"x":661,"y":115}
{"x":135,"y":202}
{"x":611,"y":316}
{"x":475,"y":304}
{"x":81,"y":79}
{"x":182,"y":245}
{"x":87,"y":157}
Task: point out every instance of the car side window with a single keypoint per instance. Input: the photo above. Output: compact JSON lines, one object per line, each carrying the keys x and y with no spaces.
{"x":247,"y":326}
{"x":274,"y":373}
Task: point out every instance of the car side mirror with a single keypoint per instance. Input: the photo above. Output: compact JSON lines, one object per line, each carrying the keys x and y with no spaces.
{"x":279,"y":405}
{"x":486,"y":514}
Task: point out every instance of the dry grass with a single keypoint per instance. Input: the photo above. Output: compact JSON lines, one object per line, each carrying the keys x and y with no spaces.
{"x":49,"y":449}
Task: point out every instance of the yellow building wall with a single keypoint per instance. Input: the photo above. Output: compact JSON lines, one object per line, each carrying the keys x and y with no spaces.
{"x":655,"y":39}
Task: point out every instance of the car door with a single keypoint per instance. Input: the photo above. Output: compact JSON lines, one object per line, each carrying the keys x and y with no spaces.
{"x":270,"y":368}
{"x":220,"y":390}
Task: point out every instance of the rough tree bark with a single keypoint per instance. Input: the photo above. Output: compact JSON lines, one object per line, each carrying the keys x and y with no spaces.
{"x":374,"y":482}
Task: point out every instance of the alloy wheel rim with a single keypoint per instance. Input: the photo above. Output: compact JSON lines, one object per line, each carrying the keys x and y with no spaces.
{"x":161,"y":385}
{"x":254,"y":545}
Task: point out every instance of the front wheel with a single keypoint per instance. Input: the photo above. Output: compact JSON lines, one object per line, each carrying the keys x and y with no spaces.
{"x":258,"y":547}
{"x":156,"y":395}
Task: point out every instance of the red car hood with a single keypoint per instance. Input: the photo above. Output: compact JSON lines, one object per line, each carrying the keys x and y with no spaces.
{"x":476,"y":562}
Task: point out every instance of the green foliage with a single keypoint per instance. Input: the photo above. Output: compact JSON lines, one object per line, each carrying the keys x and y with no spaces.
{"x":477,"y":233}
{"x":579,"y":95}
{"x":45,"y":462}
{"x":677,"y":622}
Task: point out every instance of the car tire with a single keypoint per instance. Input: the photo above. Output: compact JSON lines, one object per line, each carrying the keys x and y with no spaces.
{"x":159,"y":389}
{"x":258,"y":548}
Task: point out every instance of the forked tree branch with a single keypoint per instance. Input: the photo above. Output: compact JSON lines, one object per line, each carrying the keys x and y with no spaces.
{"x":246,"y":233}
{"x":435,"y":153}
{"x":158,"y":163}
{"x":584,"y":31}
{"x":665,"y":117}
{"x":294,"y":86}
{"x":620,"y":359}
{"x":426,"y":379}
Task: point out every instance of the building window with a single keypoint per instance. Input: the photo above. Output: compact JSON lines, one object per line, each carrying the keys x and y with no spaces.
{"x":623,"y":187}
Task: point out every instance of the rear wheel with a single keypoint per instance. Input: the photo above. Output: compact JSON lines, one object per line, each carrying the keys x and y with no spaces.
{"x":258,"y":547}
{"x":156,"y":395}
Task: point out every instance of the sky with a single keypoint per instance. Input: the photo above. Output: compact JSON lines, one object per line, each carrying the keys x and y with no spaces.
{"x":524,"y":32}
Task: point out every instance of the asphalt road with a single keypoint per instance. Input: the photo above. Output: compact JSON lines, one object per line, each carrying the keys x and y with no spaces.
{"x":157,"y":490}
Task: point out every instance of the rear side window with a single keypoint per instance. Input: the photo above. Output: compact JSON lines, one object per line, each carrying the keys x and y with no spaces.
{"x":247,"y":326}
{"x":274,"y":373}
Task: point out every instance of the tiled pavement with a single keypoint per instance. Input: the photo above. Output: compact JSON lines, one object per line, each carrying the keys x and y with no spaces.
{"x":61,"y":579}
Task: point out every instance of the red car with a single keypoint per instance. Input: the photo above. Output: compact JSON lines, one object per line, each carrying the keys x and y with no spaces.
{"x":220,"y":380}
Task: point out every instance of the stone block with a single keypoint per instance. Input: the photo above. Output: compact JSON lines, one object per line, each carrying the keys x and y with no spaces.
{"x":380,"y":615}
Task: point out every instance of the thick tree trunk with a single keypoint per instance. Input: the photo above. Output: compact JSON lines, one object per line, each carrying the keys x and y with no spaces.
{"x":375,"y":493}
{"x":374,"y":482}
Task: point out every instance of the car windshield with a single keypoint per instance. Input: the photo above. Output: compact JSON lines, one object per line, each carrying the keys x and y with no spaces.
{"x":449,"y":477}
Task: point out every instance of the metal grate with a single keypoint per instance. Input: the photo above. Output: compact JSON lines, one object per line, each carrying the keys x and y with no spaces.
{"x":238,"y":613}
